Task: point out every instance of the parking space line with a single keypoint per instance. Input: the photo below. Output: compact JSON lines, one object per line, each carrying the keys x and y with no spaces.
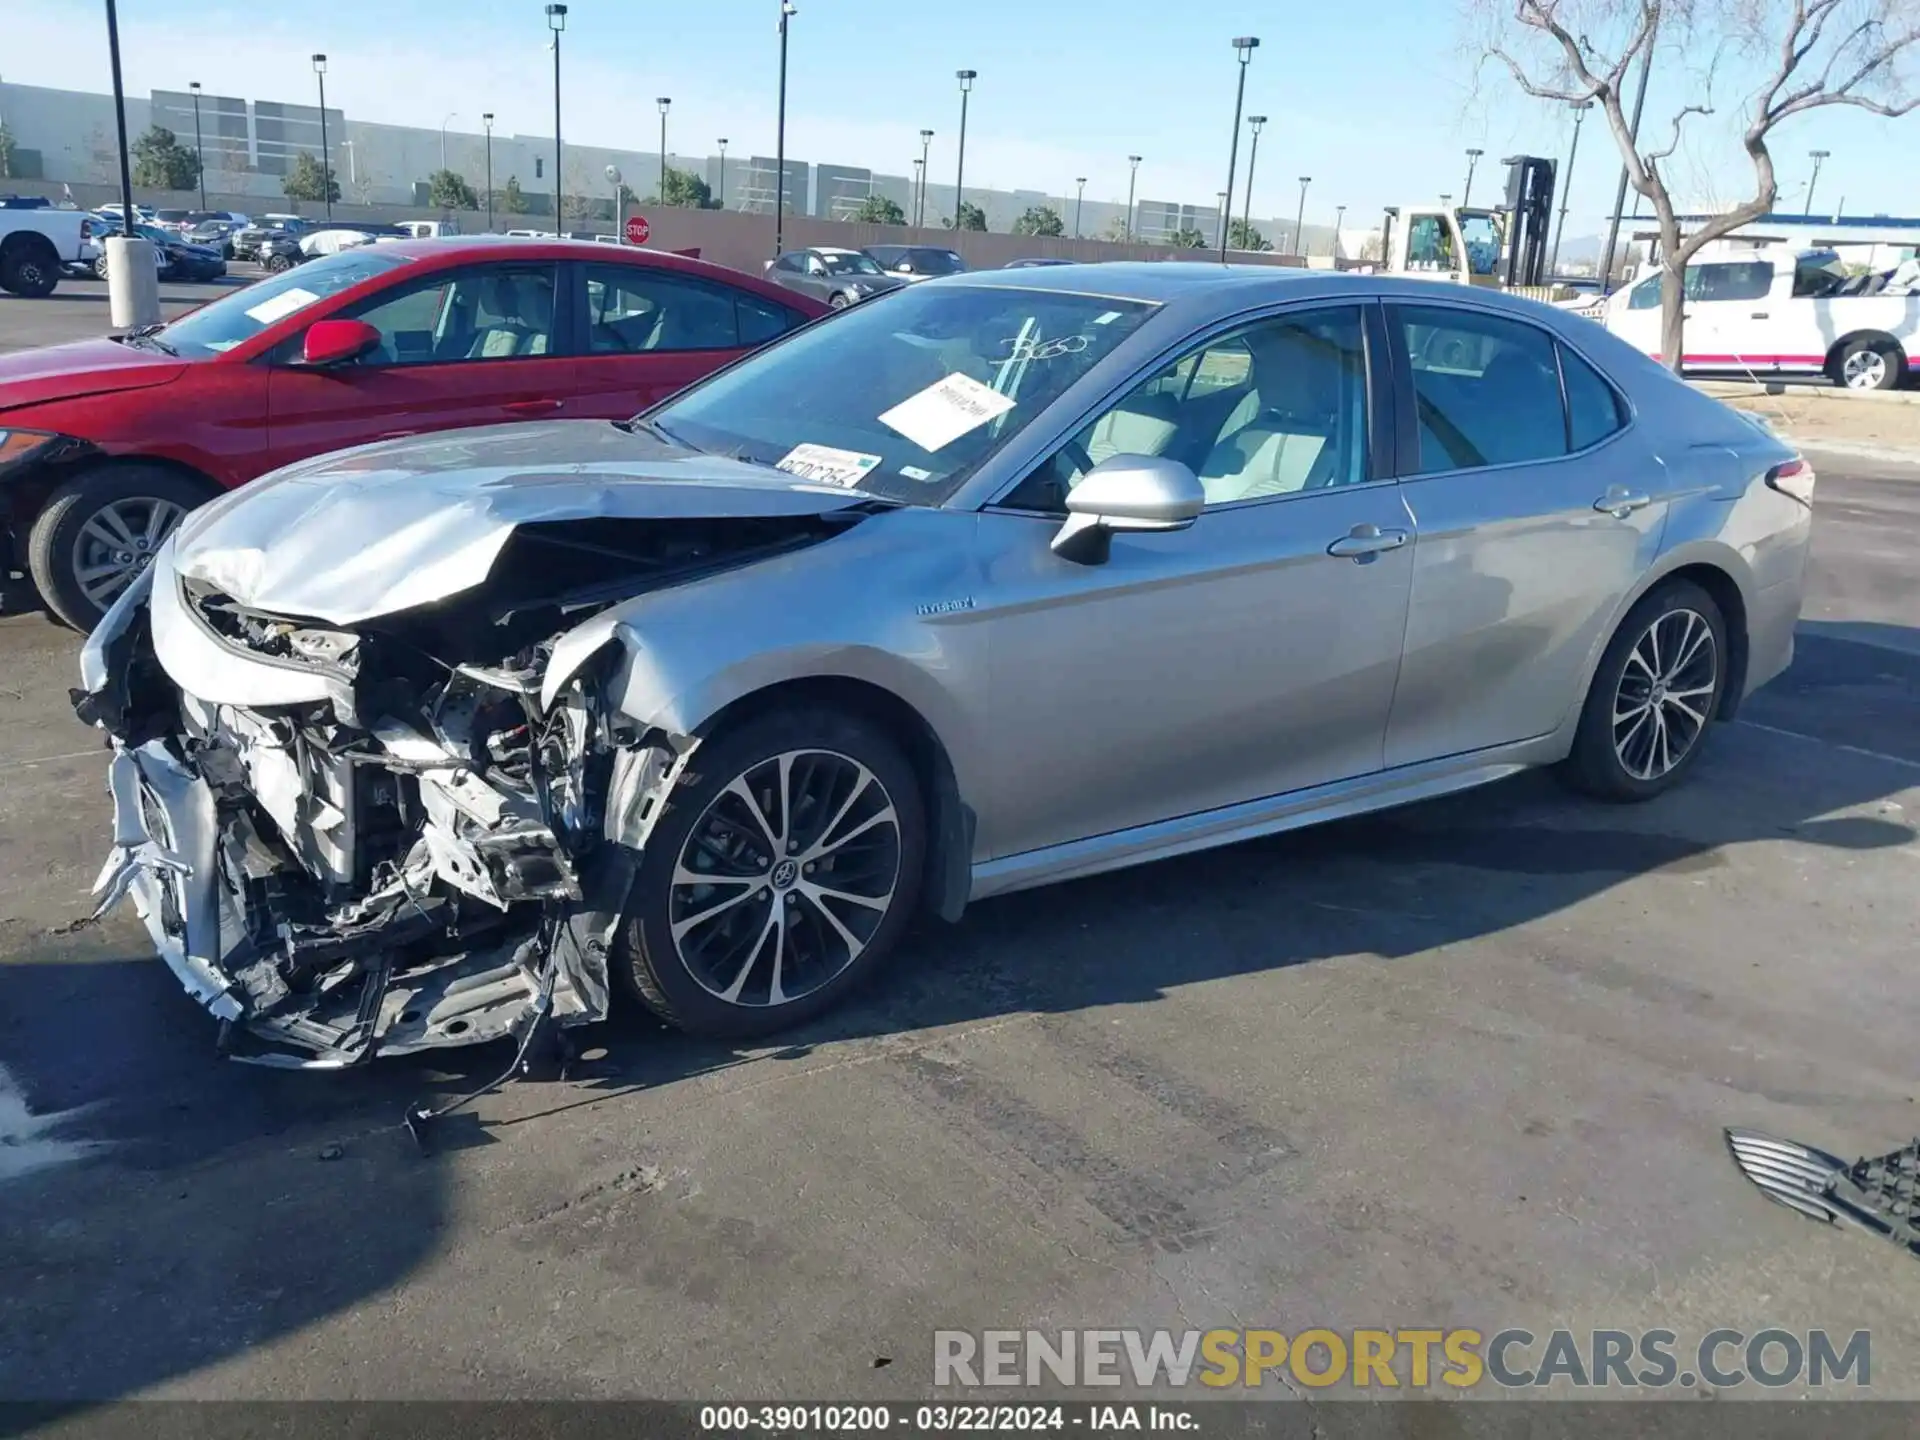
{"x":99,"y":750}
{"x":1899,"y":760}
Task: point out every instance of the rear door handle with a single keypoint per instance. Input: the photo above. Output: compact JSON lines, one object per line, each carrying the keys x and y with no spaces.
{"x":531,"y":407}
{"x":1363,"y":542}
{"x":1620,"y":503}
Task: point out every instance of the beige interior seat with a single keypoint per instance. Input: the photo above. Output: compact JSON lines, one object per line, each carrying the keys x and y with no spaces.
{"x":1288,"y":444}
{"x":1139,"y":425}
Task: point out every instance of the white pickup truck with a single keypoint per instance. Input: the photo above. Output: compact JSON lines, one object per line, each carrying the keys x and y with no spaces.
{"x":1798,"y":314}
{"x":36,"y":243}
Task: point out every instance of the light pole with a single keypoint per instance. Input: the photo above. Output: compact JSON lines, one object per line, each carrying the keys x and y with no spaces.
{"x":451,"y":115}
{"x":720,"y":195}
{"x":1079,"y":202}
{"x":1339,"y":218}
{"x":665,"y":102}
{"x":913,"y":200}
{"x":1620,"y":195}
{"x":1243,"y":47}
{"x":326,"y":154}
{"x":1816,"y":156}
{"x":1473,"y":159}
{"x":133,"y":288}
{"x":487,"y":121}
{"x":966,"y":79}
{"x":200,"y":155}
{"x":787,"y":11}
{"x":1132,"y":176}
{"x":556,"y":22}
{"x":920,"y":208}
{"x":1300,"y":215}
{"x":1220,"y":212}
{"x":1253,"y":158}
{"x":1580,"y":108}
{"x":619,"y":205}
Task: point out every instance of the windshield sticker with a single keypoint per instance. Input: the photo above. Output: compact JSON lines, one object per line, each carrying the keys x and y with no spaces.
{"x":1021,"y":348}
{"x":282,"y":305}
{"x":914,"y":472}
{"x":845,"y":468}
{"x":1108,"y":318}
{"x":946,"y":410}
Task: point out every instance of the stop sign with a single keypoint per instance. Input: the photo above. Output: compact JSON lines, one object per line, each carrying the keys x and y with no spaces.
{"x":638,"y":230}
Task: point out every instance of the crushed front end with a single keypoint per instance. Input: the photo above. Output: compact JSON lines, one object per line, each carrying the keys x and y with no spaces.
{"x":350,"y":841}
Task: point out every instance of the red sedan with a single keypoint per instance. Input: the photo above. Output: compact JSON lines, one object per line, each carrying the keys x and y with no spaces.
{"x":105,"y":444}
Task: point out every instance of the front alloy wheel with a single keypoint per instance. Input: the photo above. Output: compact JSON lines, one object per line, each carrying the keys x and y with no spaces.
{"x":779,"y":878}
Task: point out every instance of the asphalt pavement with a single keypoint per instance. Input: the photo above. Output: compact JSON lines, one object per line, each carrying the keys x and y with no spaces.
{"x":1464,"y":1064}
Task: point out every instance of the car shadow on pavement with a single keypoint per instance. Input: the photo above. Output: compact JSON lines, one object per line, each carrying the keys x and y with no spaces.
{"x":228,"y":1205}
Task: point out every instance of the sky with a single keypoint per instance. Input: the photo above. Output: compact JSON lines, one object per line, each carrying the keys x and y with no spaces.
{"x":1377,"y":102}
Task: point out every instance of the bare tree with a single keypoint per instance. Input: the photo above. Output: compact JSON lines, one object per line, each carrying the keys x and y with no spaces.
{"x":1808,"y":53}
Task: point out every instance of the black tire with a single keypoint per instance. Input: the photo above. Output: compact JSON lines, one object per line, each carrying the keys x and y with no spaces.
{"x":100,"y":266}
{"x":647,"y":958}
{"x":274,"y":264}
{"x":1595,"y":766}
{"x":839,"y":300}
{"x":1892,"y":369}
{"x":29,"y":266}
{"x":57,"y":532}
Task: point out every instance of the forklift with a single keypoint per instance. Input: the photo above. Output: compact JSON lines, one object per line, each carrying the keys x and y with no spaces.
{"x":1504,"y":248}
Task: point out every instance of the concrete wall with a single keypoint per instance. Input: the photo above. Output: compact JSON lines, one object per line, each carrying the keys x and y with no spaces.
{"x":728,"y":237}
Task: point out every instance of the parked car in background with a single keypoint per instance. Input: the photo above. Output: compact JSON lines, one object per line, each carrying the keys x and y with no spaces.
{"x":1008,"y":580}
{"x":107,"y":443}
{"x":1037,"y":261}
{"x":37,"y":242}
{"x":174,"y":222}
{"x":1751,"y":313}
{"x":249,"y":239}
{"x":839,"y":277}
{"x":276,"y":251}
{"x":215,"y":233}
{"x":92,"y":263}
{"x":177,"y":257}
{"x":917,"y":262}
{"x":113,"y":212}
{"x":24,"y":202}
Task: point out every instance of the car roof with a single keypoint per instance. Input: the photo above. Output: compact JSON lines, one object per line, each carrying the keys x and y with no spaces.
{"x":833,"y":250}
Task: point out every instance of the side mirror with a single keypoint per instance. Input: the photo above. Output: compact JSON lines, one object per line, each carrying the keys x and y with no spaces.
{"x":905,"y":267}
{"x":1135,"y":493}
{"x":338,"y":342}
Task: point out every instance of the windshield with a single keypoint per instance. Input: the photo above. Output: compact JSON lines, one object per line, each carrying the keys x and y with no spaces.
{"x":1483,"y":243}
{"x":849,"y":264}
{"x":903,"y":397}
{"x":936,"y":262}
{"x":236,"y":318}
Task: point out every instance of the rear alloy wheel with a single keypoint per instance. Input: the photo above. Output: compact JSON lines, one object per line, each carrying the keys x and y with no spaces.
{"x":99,"y":531}
{"x":1656,"y":690}
{"x":778,"y":878}
{"x":839,"y":300}
{"x":1871,"y":363}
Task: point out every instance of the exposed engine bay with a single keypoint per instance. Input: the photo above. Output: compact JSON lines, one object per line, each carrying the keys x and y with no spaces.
{"x":437,"y":850}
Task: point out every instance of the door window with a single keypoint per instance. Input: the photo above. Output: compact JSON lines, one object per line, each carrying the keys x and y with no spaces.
{"x":761,"y":320}
{"x":1486,"y":389}
{"x":1745,"y":280}
{"x":1269,"y":410}
{"x":632,"y":311}
{"x":1429,"y":244}
{"x":490,"y":313}
{"x":1594,"y":409}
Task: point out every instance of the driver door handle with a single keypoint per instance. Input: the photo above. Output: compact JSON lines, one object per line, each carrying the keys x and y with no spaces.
{"x":1620,"y":502}
{"x":1365,"y":541}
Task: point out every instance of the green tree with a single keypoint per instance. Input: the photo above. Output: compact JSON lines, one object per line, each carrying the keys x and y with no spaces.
{"x":879,"y":210}
{"x":1243,"y":236}
{"x":1116,"y":229}
{"x":1187,"y":238}
{"x":160,"y":160}
{"x":1040,"y":220}
{"x":972,"y":217}
{"x":684,"y":189}
{"x":6,"y":152}
{"x":512,"y":199}
{"x":307,"y":181}
{"x":449,"y":190}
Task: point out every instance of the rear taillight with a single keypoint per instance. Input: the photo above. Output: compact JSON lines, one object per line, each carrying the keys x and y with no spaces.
{"x":1795,"y":479}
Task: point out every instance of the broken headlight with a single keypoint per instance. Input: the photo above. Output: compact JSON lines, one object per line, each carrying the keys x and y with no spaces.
{"x":337,"y":648}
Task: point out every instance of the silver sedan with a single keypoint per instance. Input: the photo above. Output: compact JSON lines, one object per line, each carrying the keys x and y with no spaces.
{"x":999,"y":580}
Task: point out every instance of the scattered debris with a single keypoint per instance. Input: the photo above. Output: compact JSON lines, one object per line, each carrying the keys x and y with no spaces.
{"x":1877,"y":1194}
{"x":25,"y":1142}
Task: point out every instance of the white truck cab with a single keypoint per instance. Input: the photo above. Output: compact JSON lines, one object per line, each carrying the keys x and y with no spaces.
{"x":1758,"y":313}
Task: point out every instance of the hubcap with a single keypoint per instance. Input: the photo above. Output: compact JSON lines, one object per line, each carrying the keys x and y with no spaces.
{"x":1665,"y":694}
{"x":1865,"y":369}
{"x":118,"y":542}
{"x":784,"y":878}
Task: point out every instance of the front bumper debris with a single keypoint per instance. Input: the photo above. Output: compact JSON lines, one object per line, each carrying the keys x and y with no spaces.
{"x":332,"y":888}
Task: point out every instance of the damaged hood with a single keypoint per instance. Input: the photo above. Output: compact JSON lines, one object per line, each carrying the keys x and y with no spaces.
{"x":385,"y":527}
